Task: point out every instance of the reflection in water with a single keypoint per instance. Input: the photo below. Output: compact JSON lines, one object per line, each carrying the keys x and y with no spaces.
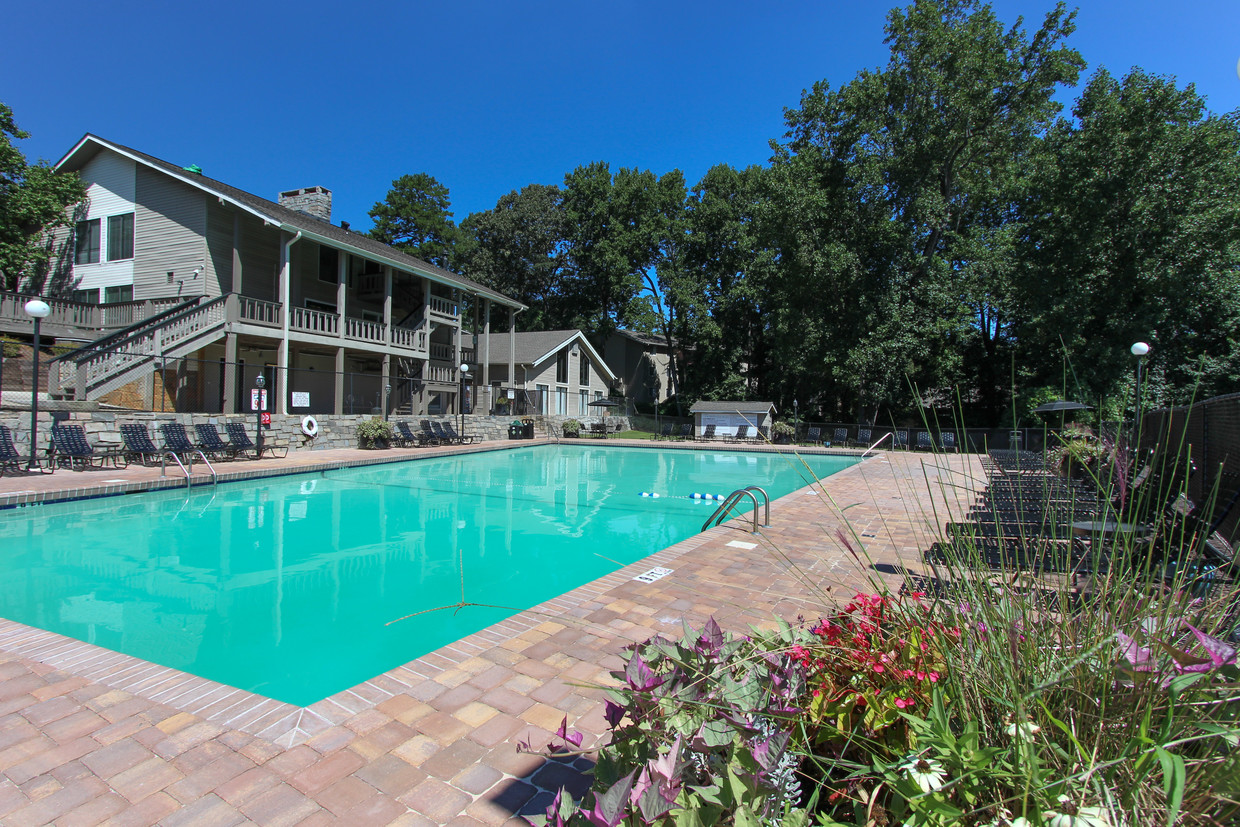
{"x":287,"y":586}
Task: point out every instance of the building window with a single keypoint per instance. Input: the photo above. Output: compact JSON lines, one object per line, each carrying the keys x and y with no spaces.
{"x":542,"y":399}
{"x":561,"y":401}
{"x":583,"y":402}
{"x":329,"y":264}
{"x":112,"y":295}
{"x":120,"y":237}
{"x":584,"y":373}
{"x":87,"y":242}
{"x":86,"y":296}
{"x":561,"y":367}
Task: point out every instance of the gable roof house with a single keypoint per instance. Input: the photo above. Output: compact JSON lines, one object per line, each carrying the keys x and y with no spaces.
{"x":234,"y":284}
{"x":644,"y":363}
{"x":554,"y":372}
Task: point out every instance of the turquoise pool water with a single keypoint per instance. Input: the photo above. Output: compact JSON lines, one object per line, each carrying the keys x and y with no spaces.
{"x":286,"y":586}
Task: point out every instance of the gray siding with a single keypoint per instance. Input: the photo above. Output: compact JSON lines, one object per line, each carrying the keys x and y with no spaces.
{"x":260,"y":259}
{"x":219,"y":249}
{"x":170,"y":226}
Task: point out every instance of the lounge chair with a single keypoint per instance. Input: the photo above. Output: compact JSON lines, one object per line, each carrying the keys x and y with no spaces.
{"x":138,"y":445}
{"x":900,"y":440}
{"x":686,"y":431}
{"x":947,"y":440}
{"x":864,"y":438}
{"x":840,"y":437}
{"x":925,"y":441}
{"x":239,"y":439}
{"x":429,"y":435}
{"x":407,"y":437}
{"x":667,"y":432}
{"x":177,"y":441}
{"x":708,"y":433}
{"x":742,"y":434}
{"x":209,"y":441}
{"x":10,"y":460}
{"x":459,"y":439}
{"x":441,"y":433}
{"x":814,"y":436}
{"x":69,"y":446}
{"x":598,"y":430}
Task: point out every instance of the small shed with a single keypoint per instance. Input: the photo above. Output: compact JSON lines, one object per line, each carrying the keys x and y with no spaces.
{"x":728,"y":416}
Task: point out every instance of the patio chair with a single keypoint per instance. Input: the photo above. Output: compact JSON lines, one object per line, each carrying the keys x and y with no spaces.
{"x":459,"y":439}
{"x":210,"y":443}
{"x":10,"y":460}
{"x":598,"y":430}
{"x":840,"y":437}
{"x":442,"y":434}
{"x":813,"y":435}
{"x":239,"y":439}
{"x":71,"y":447}
{"x":947,"y":441}
{"x":865,"y":437}
{"x":900,"y":440}
{"x":177,"y":441}
{"x":429,"y":435}
{"x":138,"y":445}
{"x":708,"y":433}
{"x":667,"y":432}
{"x":408,"y":438}
{"x":925,"y":441}
{"x":686,"y":431}
{"x":741,"y":435}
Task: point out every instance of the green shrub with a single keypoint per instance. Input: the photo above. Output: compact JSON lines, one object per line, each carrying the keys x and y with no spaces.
{"x":572,"y":428}
{"x":12,"y":347}
{"x":375,"y":433}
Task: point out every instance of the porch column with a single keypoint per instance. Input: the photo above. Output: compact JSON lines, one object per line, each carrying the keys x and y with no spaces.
{"x":512,"y":350}
{"x":387,"y":380}
{"x":339,"y":381}
{"x":387,"y":311}
{"x":486,"y":357}
{"x":236,"y":253}
{"x":342,"y":283}
{"x":286,"y":294}
{"x":230,"y":373}
{"x":460,"y":335}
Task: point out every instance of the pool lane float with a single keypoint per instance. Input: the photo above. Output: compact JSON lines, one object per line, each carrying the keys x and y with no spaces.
{"x":650,"y":494}
{"x":697,"y":496}
{"x":309,"y":426}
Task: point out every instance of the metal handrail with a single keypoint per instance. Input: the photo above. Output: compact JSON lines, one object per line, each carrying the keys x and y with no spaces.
{"x":733,"y":499}
{"x":875,"y":445}
{"x":215,"y":478}
{"x":177,"y":460}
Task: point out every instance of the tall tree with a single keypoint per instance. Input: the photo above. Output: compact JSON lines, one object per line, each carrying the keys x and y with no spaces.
{"x":416,"y":217}
{"x":34,"y":202}
{"x":518,"y":248}
{"x":1134,"y":237}
{"x":902,"y":176}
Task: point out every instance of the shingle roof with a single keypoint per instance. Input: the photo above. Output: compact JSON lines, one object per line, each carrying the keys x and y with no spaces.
{"x":534,"y":345}
{"x":299,"y":221}
{"x":705,"y":406}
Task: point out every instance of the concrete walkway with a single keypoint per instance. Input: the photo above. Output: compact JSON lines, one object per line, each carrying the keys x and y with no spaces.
{"x":88,"y":736}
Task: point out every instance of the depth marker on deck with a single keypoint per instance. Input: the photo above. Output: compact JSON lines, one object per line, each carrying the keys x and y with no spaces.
{"x":657,"y":573}
{"x":742,"y":544}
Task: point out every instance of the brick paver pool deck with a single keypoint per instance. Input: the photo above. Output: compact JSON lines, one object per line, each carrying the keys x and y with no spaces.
{"x":88,"y":736}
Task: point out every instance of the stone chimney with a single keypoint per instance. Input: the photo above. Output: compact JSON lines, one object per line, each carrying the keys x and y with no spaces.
{"x":315,"y":201}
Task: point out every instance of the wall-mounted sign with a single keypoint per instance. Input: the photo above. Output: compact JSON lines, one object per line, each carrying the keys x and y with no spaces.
{"x":266,"y":419}
{"x":258,"y":399}
{"x":301,"y":399}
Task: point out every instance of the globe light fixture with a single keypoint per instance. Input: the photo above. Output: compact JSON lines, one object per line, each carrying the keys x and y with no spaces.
{"x":38,"y":310}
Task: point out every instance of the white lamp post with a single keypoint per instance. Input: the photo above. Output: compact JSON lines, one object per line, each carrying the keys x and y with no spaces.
{"x":460,"y":405}
{"x":38,"y":310}
{"x":1139,"y":349}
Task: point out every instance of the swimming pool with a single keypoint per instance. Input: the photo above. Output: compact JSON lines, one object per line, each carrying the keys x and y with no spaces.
{"x":288,"y":586}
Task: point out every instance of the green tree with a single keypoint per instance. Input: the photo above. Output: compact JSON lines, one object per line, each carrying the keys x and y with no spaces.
{"x":899,"y":186}
{"x":518,"y":248}
{"x":416,"y":217}
{"x":1134,"y":237}
{"x":34,"y":203}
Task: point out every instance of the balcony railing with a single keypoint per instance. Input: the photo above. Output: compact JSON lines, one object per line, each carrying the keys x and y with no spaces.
{"x":444,"y":307}
{"x":410,"y":338}
{"x":364,"y":331}
{"x":258,"y":311}
{"x":315,"y":321}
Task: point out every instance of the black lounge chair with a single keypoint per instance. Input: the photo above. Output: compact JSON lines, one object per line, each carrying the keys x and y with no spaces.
{"x":925,"y":441}
{"x":840,"y":437}
{"x":240,"y":440}
{"x":864,"y":438}
{"x":69,"y":447}
{"x":814,"y":436}
{"x":10,"y":460}
{"x":947,"y":441}
{"x":429,"y":434}
{"x":741,"y":435}
{"x":686,"y":431}
{"x":900,"y":440}
{"x":405,"y":437}
{"x":667,"y":432}
{"x":177,"y":441}
{"x":138,"y":445}
{"x":708,"y":433}
{"x":459,"y":439}
{"x":209,"y":441}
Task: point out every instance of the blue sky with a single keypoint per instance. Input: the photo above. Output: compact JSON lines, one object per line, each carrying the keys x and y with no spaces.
{"x":489,"y":96}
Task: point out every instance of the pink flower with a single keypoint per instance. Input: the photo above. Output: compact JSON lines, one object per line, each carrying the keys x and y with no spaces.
{"x":904,"y":703}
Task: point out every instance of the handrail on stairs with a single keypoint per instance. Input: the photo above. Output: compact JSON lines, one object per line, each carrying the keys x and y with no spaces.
{"x":106,"y":342}
{"x":215,"y":478}
{"x":736,"y":496}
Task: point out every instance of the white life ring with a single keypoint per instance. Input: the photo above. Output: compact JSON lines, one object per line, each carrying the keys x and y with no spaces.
{"x":309,"y":426}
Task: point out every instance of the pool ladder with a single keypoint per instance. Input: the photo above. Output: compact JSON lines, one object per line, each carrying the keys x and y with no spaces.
{"x":188,"y":483}
{"x":723,"y":511}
